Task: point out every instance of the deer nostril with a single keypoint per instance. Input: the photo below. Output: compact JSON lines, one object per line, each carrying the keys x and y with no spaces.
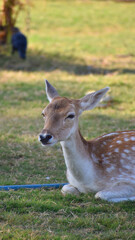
{"x":48,"y":137}
{"x":41,"y":137}
{"x":45,"y":138}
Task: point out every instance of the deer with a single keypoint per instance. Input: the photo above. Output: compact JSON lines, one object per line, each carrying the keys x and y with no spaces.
{"x":104,"y":165}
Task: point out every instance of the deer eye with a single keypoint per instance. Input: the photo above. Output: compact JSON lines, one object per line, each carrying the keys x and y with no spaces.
{"x":70,"y":116}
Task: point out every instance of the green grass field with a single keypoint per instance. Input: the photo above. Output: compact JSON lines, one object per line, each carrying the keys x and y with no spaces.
{"x":78,"y":46}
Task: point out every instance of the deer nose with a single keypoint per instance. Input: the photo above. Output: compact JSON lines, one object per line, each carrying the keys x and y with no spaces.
{"x":44,"y":138}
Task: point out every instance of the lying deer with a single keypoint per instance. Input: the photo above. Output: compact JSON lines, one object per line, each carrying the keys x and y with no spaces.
{"x":105,"y":165}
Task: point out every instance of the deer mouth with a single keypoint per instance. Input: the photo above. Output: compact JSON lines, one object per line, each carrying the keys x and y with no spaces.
{"x":44,"y":143}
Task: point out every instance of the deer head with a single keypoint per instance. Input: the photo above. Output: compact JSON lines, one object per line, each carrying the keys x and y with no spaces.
{"x":62,"y":114}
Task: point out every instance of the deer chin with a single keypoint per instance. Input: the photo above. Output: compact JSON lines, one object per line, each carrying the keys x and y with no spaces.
{"x":48,"y":144}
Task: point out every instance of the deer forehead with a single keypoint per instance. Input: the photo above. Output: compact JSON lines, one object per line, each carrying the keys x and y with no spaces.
{"x":61,"y":106}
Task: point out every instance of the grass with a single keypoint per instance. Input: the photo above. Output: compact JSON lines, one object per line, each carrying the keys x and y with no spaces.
{"x":78,"y":46}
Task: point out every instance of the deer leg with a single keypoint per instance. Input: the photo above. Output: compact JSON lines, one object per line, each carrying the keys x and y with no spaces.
{"x":118,"y":193}
{"x":69,"y":189}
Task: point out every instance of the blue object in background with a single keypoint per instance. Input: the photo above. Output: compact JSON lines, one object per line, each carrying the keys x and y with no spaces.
{"x":19,"y":43}
{"x":32,"y":186}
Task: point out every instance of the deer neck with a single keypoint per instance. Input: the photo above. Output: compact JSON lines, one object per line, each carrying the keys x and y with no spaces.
{"x":75,"y":151}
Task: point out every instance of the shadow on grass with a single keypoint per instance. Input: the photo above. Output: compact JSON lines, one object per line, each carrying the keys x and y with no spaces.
{"x":44,"y":61}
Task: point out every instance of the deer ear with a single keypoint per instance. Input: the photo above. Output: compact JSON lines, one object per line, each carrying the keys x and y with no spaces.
{"x":90,"y":101}
{"x":50,"y":91}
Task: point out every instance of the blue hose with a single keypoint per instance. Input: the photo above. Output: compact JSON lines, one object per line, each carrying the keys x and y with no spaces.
{"x":32,"y":186}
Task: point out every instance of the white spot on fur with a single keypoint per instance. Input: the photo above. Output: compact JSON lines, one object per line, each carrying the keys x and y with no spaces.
{"x":133,"y":148}
{"x":123,"y":155}
{"x":126,"y":151}
{"x":122,"y":161}
{"x":109,"y":153}
{"x":110,"y":169}
{"x":126,"y":139}
{"x":130,"y":158}
{"x":113,"y":178}
{"x":110,"y":134}
{"x":128,"y":167}
{"x":116,"y":150}
{"x":119,"y":142}
{"x":132,"y":138}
